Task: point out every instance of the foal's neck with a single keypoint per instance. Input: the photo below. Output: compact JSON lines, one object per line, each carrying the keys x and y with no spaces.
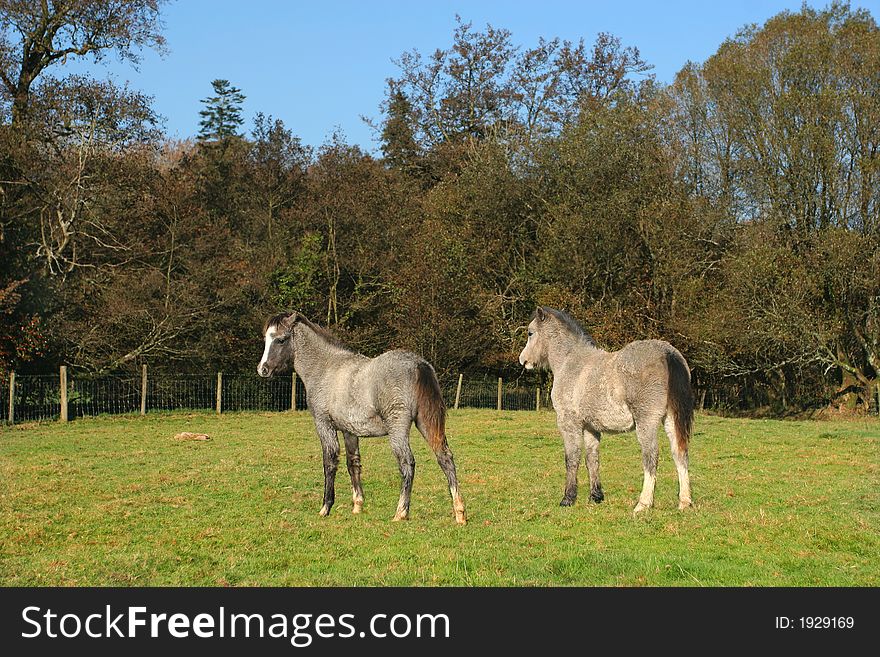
{"x":564,"y":348}
{"x":313,"y":354}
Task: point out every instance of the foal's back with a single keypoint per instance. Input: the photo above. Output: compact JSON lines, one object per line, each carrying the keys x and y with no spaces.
{"x":643,"y":369}
{"x":609,"y":390}
{"x":366,"y":396}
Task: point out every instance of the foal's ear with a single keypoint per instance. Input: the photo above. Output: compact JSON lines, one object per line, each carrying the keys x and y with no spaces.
{"x":290,"y":320}
{"x":540,"y":314}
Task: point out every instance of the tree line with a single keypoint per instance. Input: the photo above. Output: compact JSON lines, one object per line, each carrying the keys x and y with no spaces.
{"x":733,"y":212}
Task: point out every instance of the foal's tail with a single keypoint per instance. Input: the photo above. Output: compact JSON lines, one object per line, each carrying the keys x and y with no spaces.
{"x":430,"y":407}
{"x":680,"y":398}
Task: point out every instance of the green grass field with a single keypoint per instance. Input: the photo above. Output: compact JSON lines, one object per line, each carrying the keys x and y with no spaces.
{"x":118,"y":501}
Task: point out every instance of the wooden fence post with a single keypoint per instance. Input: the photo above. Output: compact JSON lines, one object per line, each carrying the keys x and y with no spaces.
{"x":219,"y":391}
{"x":11,"y":416}
{"x":499,"y":393}
{"x":64,"y":393}
{"x":293,"y":391}
{"x":538,"y":398}
{"x":144,"y":389}
{"x":458,"y":391}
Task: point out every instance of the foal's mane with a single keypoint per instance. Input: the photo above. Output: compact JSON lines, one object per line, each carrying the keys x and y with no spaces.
{"x":327,"y":335}
{"x":570,"y":325}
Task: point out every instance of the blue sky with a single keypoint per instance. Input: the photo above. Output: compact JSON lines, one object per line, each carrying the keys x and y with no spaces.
{"x":322,"y":65}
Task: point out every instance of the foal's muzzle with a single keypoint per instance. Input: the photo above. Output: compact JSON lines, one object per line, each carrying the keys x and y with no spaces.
{"x":263,"y":370}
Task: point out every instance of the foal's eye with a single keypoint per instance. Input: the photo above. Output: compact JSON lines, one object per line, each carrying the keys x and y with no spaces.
{"x":281,"y":340}
{"x":531,"y":333}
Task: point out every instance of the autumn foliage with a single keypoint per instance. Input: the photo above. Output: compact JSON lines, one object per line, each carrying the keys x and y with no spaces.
{"x":734,"y":212}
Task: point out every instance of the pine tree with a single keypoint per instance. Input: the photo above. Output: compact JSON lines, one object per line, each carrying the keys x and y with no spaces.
{"x":399,"y":145}
{"x":221,"y":117}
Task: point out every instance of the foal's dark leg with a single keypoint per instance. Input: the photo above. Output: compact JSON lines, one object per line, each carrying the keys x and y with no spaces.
{"x":399,"y":438}
{"x":353,"y":460}
{"x":330,"y":452}
{"x":591,"y":447}
{"x":572,"y":442}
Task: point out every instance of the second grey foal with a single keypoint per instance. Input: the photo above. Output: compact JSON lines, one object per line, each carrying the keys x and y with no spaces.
{"x":643,"y":385}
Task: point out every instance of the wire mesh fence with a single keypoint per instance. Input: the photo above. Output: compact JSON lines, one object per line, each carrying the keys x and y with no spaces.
{"x":176,"y":392}
{"x":97,"y":396}
{"x":243,"y":392}
{"x":486,"y":392}
{"x":38,"y":397}
{"x":35,"y":397}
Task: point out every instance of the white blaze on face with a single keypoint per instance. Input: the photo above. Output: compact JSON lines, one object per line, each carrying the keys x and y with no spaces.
{"x":270,"y":335}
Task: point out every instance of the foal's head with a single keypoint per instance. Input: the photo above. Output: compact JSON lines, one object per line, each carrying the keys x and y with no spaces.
{"x":534,"y":354}
{"x":278,"y":353}
{"x":550,"y":325}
